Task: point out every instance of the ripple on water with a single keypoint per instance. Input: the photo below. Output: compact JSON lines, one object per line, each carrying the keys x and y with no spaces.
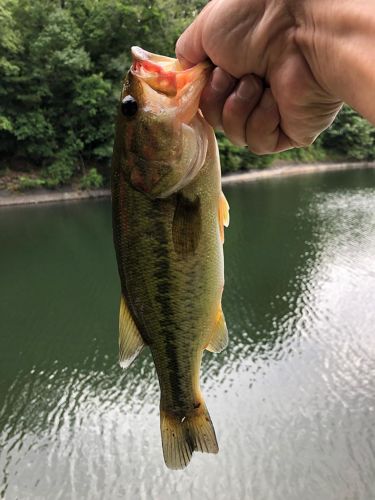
{"x":291,"y":398}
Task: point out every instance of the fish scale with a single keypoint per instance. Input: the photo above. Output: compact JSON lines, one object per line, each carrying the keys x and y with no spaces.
{"x":168,"y":234}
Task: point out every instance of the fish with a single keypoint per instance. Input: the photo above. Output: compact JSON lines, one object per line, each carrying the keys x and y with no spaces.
{"x":168,"y":214}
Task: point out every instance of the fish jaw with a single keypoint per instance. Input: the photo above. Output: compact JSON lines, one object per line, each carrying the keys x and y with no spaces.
{"x":163,"y":140}
{"x":163,"y":77}
{"x":197,"y":138}
{"x":162,"y":178}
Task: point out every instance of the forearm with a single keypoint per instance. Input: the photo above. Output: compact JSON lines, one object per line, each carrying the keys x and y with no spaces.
{"x":337,"y":38}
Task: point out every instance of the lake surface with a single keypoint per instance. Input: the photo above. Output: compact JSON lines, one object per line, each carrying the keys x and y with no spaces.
{"x":292,"y":398}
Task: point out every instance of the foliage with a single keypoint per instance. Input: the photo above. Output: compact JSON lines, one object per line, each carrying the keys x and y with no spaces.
{"x":30,"y":183}
{"x":61,"y":171}
{"x":234,"y":158}
{"x":351,"y":137}
{"x":91,"y":180}
{"x":312,"y":153}
{"x":61,"y":66}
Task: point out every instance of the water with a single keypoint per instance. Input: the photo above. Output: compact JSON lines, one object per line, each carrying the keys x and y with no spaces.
{"x":292,"y":398}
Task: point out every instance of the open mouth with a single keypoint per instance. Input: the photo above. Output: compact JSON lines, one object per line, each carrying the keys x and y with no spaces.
{"x":164,"y":74}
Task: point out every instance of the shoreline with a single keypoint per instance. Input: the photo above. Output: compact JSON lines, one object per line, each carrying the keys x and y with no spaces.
{"x":36,"y":198}
{"x":290,"y":170}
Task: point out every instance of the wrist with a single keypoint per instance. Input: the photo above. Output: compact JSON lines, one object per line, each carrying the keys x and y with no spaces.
{"x":316,"y":37}
{"x":337,"y":40}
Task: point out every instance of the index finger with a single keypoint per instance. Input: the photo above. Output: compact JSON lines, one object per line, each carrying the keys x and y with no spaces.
{"x":189,"y":47}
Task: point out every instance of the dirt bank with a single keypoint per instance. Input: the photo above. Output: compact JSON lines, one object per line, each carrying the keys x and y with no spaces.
{"x":43,"y":196}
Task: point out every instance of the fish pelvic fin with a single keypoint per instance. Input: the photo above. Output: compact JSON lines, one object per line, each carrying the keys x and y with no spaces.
{"x":219,"y":338}
{"x":181,"y":436}
{"x":223,"y":214}
{"x":130,"y":340}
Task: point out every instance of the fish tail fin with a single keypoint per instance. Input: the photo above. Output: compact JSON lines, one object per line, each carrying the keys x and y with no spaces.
{"x":183,"y":435}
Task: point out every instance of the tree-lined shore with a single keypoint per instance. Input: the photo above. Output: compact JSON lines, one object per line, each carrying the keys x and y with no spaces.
{"x":61,"y":66}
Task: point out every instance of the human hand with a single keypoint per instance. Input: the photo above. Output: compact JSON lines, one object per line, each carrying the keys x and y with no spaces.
{"x":263,"y":92}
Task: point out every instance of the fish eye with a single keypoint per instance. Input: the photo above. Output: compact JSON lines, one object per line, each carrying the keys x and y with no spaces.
{"x":129,"y":106}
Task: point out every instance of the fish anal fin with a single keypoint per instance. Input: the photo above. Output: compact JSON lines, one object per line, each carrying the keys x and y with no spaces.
{"x":223,"y":215}
{"x":183,"y":435}
{"x":130,"y":340}
{"x":219,"y":337}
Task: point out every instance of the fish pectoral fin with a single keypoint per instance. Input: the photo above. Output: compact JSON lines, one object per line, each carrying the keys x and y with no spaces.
{"x":187,"y":225}
{"x":219,"y":337}
{"x":181,"y":436}
{"x":130,"y":340}
{"x":223,"y":215}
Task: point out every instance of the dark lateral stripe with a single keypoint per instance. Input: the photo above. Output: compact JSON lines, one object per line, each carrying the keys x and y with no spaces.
{"x":162,"y":274}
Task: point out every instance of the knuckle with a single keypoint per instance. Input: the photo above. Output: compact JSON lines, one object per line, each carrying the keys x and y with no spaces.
{"x":248,"y":89}
{"x":303,"y":142}
{"x":258,"y":149}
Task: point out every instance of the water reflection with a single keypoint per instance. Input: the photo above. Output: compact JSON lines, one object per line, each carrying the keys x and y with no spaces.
{"x":291,"y":398}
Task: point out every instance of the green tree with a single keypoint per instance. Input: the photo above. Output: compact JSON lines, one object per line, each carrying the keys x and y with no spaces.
{"x":61,"y":67}
{"x":350,"y":137}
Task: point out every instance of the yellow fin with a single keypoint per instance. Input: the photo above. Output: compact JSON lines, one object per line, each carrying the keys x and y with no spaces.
{"x":183,"y":435}
{"x":130,"y":340}
{"x":223,"y":215}
{"x":219,"y":337}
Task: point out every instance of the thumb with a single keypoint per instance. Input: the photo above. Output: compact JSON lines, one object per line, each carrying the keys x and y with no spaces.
{"x":189,"y":47}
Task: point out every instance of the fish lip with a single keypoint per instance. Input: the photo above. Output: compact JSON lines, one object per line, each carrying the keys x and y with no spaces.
{"x":140,"y":55}
{"x":165,"y":74}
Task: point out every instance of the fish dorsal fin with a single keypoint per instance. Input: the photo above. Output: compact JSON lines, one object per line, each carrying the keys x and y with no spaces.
{"x":223,"y":215}
{"x":130,"y":340}
{"x":219,"y":337}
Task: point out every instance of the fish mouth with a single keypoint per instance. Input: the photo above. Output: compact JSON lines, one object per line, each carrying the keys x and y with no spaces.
{"x":165,"y":74}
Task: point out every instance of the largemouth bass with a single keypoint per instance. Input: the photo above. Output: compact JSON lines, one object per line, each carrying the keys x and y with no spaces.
{"x":168,"y":218}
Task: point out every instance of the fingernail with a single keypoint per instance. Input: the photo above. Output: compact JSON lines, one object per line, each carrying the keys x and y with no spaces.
{"x":267,"y":102}
{"x":246,"y":89}
{"x":220,"y":81}
{"x":185,"y":64}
